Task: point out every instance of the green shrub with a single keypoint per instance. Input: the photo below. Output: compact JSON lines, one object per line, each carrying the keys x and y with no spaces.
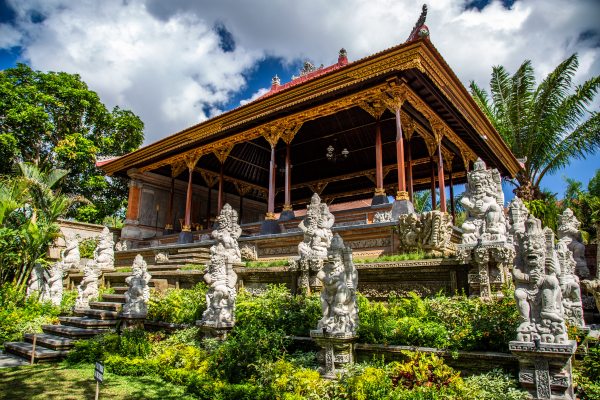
{"x":94,"y":349}
{"x":424,"y":370}
{"x":135,"y":343}
{"x":181,"y":306}
{"x":419,"y":255}
{"x":267,"y":264}
{"x":136,"y":366}
{"x":494,"y":385}
{"x":68,"y":301}
{"x":19,"y":315}
{"x":218,"y":390}
{"x":245,"y":349}
{"x":87,"y":246}
{"x":587,"y":378}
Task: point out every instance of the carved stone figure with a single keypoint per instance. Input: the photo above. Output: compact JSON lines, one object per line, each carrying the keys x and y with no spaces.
{"x":228,"y":233}
{"x":316,"y":227}
{"x":335,"y":332}
{"x":161,"y":256}
{"x":538,"y":293}
{"x":568,"y":232}
{"x":593,"y":287}
{"x":88,"y":288}
{"x":138,"y":294}
{"x":104,"y":255}
{"x":56,"y":273}
{"x":569,"y":285}
{"x":248,"y":252}
{"x":70,"y":255}
{"x":484,"y":201}
{"x":431,"y":232}
{"x":123,"y":244}
{"x":38,"y":283}
{"x":517,"y":215}
{"x":542,"y":345}
{"x":220,"y":298}
{"x":338,"y":298}
{"x":205,"y":237}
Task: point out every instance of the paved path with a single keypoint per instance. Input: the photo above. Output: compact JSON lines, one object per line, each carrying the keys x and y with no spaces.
{"x":10,"y":360}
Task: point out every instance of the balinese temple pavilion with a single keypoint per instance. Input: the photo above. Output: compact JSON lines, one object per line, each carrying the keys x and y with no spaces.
{"x":396,"y":122}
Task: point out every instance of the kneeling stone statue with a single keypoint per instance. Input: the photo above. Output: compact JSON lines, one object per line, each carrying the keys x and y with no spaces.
{"x":336,"y":330}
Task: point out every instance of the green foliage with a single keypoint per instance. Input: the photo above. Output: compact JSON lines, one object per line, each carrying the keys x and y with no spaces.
{"x":20,"y":315}
{"x":87,"y":246}
{"x":68,"y":301}
{"x":585,"y":204}
{"x":94,"y":349}
{"x":266,"y":264}
{"x":182,"y":306}
{"x":545,"y":210}
{"x":136,"y":366}
{"x":217,"y":390}
{"x":192,"y":267}
{"x":423,"y":370}
{"x":277,"y":308}
{"x":419,"y":255}
{"x":548,"y":126}
{"x":53,"y":120}
{"x":441,"y":322}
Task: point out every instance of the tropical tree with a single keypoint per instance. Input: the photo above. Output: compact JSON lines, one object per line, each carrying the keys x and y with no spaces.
{"x":585,"y":203}
{"x":29,"y":221}
{"x":54,"y":121}
{"x":547,"y":126}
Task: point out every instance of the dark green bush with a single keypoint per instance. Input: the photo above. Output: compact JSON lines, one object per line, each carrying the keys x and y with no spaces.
{"x":180,"y":306}
{"x":94,"y":349}
{"x":211,"y":390}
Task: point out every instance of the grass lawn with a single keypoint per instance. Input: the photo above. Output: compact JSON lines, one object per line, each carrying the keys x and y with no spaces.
{"x":63,"y":382}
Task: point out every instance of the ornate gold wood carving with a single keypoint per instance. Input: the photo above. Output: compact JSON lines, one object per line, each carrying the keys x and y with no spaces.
{"x":222,"y":153}
{"x":372,"y":178}
{"x":448,"y":156}
{"x":317,"y":187}
{"x":209,"y":177}
{"x":289,"y":134}
{"x":177,"y":168}
{"x":191,"y":159}
{"x":242,"y":188}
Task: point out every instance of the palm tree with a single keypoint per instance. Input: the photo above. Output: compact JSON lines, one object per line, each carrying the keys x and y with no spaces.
{"x":547,"y":126}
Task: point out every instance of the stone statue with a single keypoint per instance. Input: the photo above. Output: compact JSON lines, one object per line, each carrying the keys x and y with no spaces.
{"x":316,"y":227}
{"x":161,"y":256}
{"x":38,"y":283}
{"x":382,"y":216}
{"x":569,"y":285}
{"x":484,"y":201}
{"x":248,"y":252}
{"x":123,"y":244}
{"x":56,"y":273}
{"x":70,"y":255}
{"x":517,"y":215}
{"x":338,"y":298}
{"x":138,"y":294}
{"x":220,"y":298}
{"x":431,"y":232}
{"x":104,"y":255}
{"x":568,"y":232}
{"x":538,"y":293}
{"x":88,"y":288}
{"x":228,"y":233}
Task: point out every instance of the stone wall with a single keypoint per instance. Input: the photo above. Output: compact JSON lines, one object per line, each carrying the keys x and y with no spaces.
{"x":83,"y":229}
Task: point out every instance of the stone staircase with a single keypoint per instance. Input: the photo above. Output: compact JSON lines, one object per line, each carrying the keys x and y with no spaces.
{"x":57,"y":340}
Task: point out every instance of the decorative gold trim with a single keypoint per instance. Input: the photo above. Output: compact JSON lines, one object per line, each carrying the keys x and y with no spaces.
{"x":270,"y":215}
{"x":211,"y":178}
{"x":222,"y":153}
{"x":317,"y":187}
{"x":186,"y":228}
{"x":168,"y":226}
{"x":177,"y":168}
{"x":288,"y":207}
{"x":191,"y":159}
{"x":214,"y":178}
{"x":379,"y":192}
{"x":402,"y":195}
{"x":242,"y":188}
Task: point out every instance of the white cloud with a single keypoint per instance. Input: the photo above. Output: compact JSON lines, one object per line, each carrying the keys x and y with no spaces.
{"x":9,"y":36}
{"x":162,"y":59}
{"x":255,"y":96}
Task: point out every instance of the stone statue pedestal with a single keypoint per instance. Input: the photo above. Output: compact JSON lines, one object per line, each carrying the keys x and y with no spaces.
{"x":213,"y":330}
{"x":545,"y":369}
{"x":400,"y":207}
{"x":285,"y":215}
{"x":270,"y":227}
{"x":338,"y":349}
{"x":185,"y":237}
{"x":490,"y":261}
{"x":307,"y":267}
{"x":130,"y":321}
{"x":379,"y":199}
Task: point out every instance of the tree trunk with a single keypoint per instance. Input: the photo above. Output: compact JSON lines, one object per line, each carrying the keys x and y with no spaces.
{"x":527,"y":191}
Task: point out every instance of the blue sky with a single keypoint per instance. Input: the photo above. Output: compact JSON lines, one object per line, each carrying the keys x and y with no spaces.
{"x":180,"y":62}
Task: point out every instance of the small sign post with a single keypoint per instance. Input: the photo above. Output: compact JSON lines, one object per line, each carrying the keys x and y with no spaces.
{"x":99,"y":376}
{"x":33,"y":349}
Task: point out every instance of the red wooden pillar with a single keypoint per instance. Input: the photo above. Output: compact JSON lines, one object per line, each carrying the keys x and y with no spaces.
{"x":271,"y":200}
{"x":208,"y":206}
{"x":409,"y":171}
{"x":220,"y":198}
{"x":378,"y":158}
{"x":441,"y":183}
{"x":433,"y":202}
{"x":288,"y":180}
{"x":169,"y":225}
{"x":188,"y":204}
{"x":452,"y":206}
{"x":400,"y":157}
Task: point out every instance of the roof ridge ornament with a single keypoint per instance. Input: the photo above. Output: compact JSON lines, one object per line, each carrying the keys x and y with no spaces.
{"x":420,"y":30}
{"x":307,"y":69}
{"x":276,"y":81}
{"x":342,"y":53}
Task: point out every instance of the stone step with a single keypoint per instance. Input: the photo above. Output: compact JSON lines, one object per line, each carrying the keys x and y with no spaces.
{"x":105,"y":305}
{"x":165,"y":267}
{"x":199,"y":256}
{"x":116,"y":298}
{"x":96,"y":314}
{"x":88,"y":323}
{"x":194,"y":250}
{"x":42,"y":354}
{"x":121,"y":289}
{"x":50,"y":341}
{"x":180,"y":261}
{"x":72,"y":332}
